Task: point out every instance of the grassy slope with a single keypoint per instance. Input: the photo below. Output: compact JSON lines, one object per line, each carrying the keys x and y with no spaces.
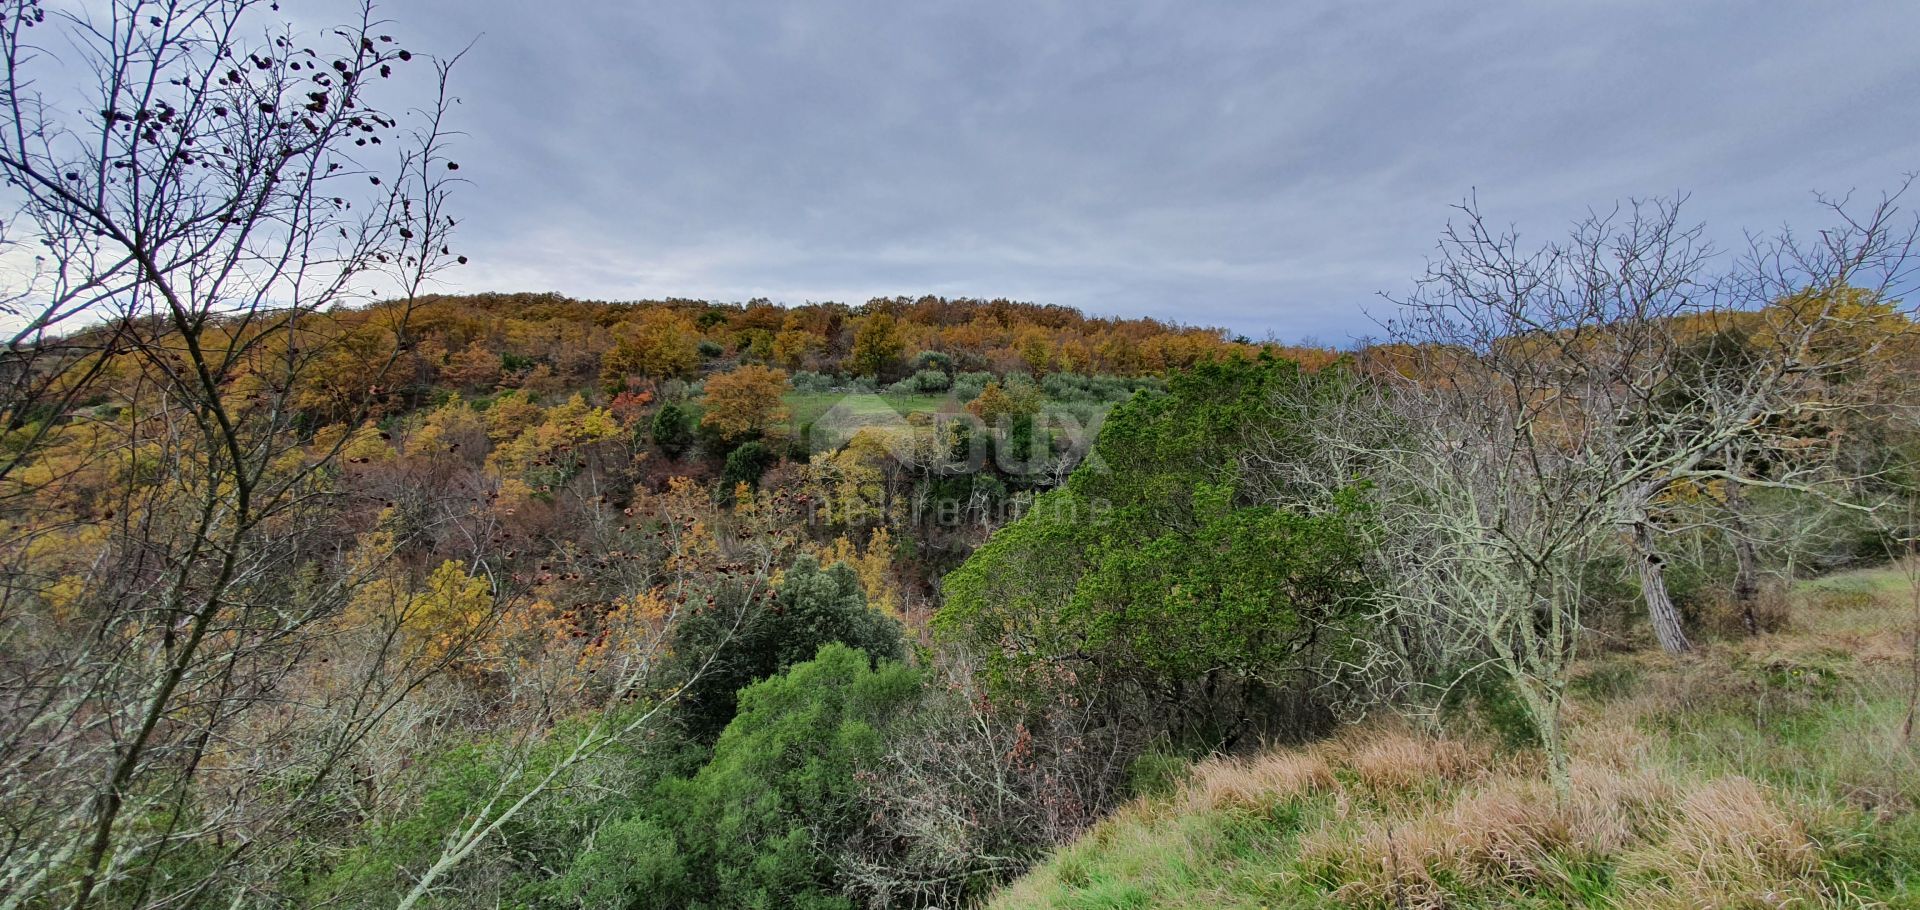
{"x":1760,"y":773}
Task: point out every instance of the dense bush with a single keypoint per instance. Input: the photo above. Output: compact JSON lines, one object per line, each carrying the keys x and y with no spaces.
{"x":933,"y":360}
{"x":1161,"y":575}
{"x":760,"y":824}
{"x":746,"y":463}
{"x":672,"y":429}
{"x":968,"y":386}
{"x":516,"y":867}
{"x":812,"y":607}
{"x":925,"y":382}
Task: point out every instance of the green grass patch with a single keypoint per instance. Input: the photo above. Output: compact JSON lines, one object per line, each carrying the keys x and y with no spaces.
{"x":860,"y":408}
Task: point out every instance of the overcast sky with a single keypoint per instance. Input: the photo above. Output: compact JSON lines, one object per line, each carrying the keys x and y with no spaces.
{"x":1268,"y":167}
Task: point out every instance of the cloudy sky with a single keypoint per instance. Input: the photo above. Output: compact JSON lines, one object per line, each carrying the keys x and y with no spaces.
{"x":1269,"y":167}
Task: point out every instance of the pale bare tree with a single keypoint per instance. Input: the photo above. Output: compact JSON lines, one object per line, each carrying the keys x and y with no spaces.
{"x":1533,"y":408}
{"x":1577,"y":352}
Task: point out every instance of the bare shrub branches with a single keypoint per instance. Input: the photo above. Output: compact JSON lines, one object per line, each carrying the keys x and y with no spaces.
{"x":1536,"y":410}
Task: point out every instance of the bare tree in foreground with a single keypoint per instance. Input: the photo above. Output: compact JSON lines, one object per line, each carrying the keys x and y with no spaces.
{"x":1534,"y":409}
{"x":204,"y":188}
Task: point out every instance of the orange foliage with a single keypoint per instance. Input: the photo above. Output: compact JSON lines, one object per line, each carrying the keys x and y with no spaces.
{"x":744,"y":402}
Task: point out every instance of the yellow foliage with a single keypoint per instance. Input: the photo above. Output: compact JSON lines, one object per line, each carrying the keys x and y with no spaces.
{"x":625,"y":631}
{"x":476,"y":367}
{"x":63,"y":595}
{"x":744,"y":401}
{"x":445,"y":426}
{"x":1832,"y":326}
{"x":876,"y":345}
{"x":792,"y":347}
{"x":662,"y":343}
{"x":1035,"y":345}
{"x":997,"y":404}
{"x":873,"y":565}
{"x":510,"y":415}
{"x":364,"y":446}
{"x":853,"y":481}
{"x":560,"y":430}
{"x":687,"y":512}
{"x":439,"y":618}
{"x":449,"y":611}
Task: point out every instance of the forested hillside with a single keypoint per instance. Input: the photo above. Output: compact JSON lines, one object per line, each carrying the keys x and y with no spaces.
{"x":1591,"y":582}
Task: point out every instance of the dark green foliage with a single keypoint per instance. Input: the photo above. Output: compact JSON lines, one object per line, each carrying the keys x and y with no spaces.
{"x":1155,"y":450}
{"x":710,"y":349}
{"x":1021,"y":446}
{"x":758,"y":826}
{"x":813,"y":607}
{"x":933,"y":360}
{"x":672,"y":429}
{"x":746,"y":463}
{"x":1158,"y":774}
{"x":780,"y":793}
{"x":753,"y":823}
{"x":1153,"y":573}
{"x":548,"y":835}
{"x":1486,"y":698}
{"x":634,"y":862}
{"x":1244,"y":589}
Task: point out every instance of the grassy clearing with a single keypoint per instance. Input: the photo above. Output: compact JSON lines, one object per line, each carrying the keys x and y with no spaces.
{"x":860,"y":408}
{"x":1763,"y":772}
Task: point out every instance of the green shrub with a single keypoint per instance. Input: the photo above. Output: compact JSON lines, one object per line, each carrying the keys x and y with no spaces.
{"x":933,"y":360}
{"x":1152,"y":575}
{"x":1487,"y":698}
{"x":759,"y":825}
{"x":1157,"y":774}
{"x":925,"y":382}
{"x":809,"y":381}
{"x":672,"y":429}
{"x":813,"y":607}
{"x":968,"y":386}
{"x":746,"y":463}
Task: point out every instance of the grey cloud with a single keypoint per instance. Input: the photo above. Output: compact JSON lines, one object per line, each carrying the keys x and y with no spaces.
{"x":1267,"y":167}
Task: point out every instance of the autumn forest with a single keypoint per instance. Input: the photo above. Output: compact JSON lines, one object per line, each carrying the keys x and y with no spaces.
{"x":1590,"y":579}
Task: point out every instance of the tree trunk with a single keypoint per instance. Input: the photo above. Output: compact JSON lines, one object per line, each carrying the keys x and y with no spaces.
{"x":1653,"y":587}
{"x":1746,"y":557}
{"x":1543,"y":700}
{"x":1913,"y":693}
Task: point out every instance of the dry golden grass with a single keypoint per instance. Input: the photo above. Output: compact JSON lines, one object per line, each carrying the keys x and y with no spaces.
{"x":1413,"y":819}
{"x":1251,"y":783}
{"x":1390,"y":760}
{"x":1678,"y":842}
{"x":1728,"y":843}
{"x":1760,"y":772}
